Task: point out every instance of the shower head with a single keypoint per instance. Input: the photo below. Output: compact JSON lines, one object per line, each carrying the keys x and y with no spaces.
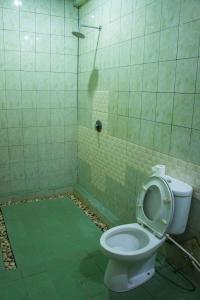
{"x":78,"y":34}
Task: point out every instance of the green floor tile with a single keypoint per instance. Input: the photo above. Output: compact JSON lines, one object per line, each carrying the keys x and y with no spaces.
{"x":40,"y":287}
{"x":15,"y":290}
{"x":6,"y":277}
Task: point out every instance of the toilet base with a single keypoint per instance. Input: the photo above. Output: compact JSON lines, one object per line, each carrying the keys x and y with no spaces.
{"x":124,"y":276}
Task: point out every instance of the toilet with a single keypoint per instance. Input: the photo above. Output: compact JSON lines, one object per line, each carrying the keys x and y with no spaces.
{"x":162,"y":207}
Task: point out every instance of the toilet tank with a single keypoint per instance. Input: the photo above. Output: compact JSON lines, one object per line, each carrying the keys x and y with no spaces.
{"x":182,"y":199}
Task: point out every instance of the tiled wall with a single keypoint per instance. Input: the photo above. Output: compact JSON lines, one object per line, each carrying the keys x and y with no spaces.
{"x":38,"y":85}
{"x":142,"y":79}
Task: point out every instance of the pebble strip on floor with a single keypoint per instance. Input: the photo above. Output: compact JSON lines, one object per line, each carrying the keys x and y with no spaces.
{"x":7,"y":253}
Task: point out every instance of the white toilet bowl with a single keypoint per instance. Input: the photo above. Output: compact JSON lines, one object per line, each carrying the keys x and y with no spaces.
{"x":162,"y":207}
{"x":131,"y":250}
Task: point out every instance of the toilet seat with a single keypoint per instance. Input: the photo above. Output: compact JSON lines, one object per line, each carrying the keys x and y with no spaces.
{"x":155,"y":205}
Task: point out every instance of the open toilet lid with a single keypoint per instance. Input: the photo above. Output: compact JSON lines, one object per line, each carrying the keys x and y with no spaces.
{"x":155,"y":205}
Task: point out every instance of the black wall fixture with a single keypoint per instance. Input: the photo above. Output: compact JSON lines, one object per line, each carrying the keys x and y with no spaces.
{"x":98,"y":126}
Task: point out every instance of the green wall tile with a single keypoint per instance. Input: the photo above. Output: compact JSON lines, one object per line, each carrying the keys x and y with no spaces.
{"x":3,"y":155}
{"x":135,"y":104}
{"x":147,"y":133}
{"x":10,"y":19}
{"x":1,"y":18}
{"x":2,"y":80}
{"x":1,"y":39}
{"x":148,"y":106}
{"x":29,"y":6}
{"x":133,"y":130}
{"x":123,"y":103}
{"x":124,"y":78}
{"x":170,"y":13}
{"x":122,"y":126}
{"x":12,"y":60}
{"x":13,"y":81}
{"x":166,"y":76}
{"x":29,"y":117}
{"x":17,"y":171}
{"x":57,"y":8}
{"x":11,"y":40}
{"x":190,"y":10}
{"x":112,"y":121}
{"x":16,"y":153}
{"x":3,"y":137}
{"x":13,"y":99}
{"x":14,"y":117}
{"x":113,"y":102}
{"x":180,"y":140}
{"x":162,"y":137}
{"x":15,"y":136}
{"x":43,"y":23}
{"x":164,"y":107}
{"x":194,"y":149}
{"x":136,"y":74}
{"x":27,"y":41}
{"x":168,"y":44}
{"x":138,"y":25}
{"x":2,"y":60}
{"x":196,"y":119}
{"x":153,"y":16}
{"x":57,"y":25}
{"x":28,"y":61}
{"x":124,"y":53}
{"x":3,"y":119}
{"x":198,"y":78}
{"x":43,"y":43}
{"x":137,"y":50}
{"x":188,"y":43}
{"x":183,"y":110}
{"x":151,"y":49}
{"x":150,"y":77}
{"x":27,"y":21}
{"x":186,"y":75}
{"x":43,"y":6}
{"x":42,"y":62}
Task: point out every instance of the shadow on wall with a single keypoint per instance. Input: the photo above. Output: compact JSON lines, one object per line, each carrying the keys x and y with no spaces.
{"x":94,"y":76}
{"x":93,"y":81}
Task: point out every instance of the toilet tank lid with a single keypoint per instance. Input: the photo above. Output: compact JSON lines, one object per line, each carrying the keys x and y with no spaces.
{"x":179,"y":188}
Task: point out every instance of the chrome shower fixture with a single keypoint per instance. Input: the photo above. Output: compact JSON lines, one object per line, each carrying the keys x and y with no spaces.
{"x":80,"y":35}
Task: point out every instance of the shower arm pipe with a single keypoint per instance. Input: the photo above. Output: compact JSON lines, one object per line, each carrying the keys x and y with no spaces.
{"x":194,"y":261}
{"x":88,"y":26}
